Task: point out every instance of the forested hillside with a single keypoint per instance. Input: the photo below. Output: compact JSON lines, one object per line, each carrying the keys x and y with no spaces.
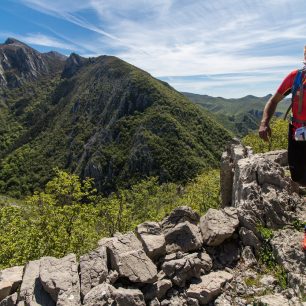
{"x":101,"y":118}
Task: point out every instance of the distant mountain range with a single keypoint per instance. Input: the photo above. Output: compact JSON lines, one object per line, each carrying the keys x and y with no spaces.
{"x":98,"y":117}
{"x":240,"y":116}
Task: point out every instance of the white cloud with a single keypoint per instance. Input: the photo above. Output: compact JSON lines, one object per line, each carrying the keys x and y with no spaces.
{"x":180,"y":37}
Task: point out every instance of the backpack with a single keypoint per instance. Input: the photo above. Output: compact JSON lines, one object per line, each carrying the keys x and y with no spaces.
{"x":297,"y":84}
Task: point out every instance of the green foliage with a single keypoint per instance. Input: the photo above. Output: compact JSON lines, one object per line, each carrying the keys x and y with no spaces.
{"x":69,"y":215}
{"x":278,"y":140}
{"x":110,"y":121}
{"x":267,"y":258}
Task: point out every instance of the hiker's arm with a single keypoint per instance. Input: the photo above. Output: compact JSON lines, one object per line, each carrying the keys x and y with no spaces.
{"x":264,"y":128}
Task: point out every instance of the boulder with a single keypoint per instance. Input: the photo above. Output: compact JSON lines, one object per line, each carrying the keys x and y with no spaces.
{"x":32,"y":292}
{"x":10,"y":300}
{"x":157,"y":290}
{"x":128,"y":258}
{"x":10,"y":279}
{"x":183,"y":237}
{"x":152,"y":239}
{"x":105,"y":294}
{"x":183,"y":267}
{"x":93,"y":269}
{"x":218,"y":225}
{"x":273,"y":300}
{"x":250,"y":239}
{"x":60,"y":279}
{"x":209,"y":287}
{"x":180,"y":215}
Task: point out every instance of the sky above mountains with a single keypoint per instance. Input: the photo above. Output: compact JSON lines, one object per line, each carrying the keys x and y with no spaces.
{"x":228,"y":48}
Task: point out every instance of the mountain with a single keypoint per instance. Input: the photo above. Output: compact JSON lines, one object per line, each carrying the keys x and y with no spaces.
{"x":98,"y":117}
{"x":240,"y":116}
{"x":20,"y":63}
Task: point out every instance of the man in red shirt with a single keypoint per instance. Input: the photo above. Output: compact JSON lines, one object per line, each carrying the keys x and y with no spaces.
{"x":296,"y":149}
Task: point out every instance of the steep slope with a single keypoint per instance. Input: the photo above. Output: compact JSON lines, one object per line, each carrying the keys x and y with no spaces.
{"x":111,"y":121}
{"x":238,"y":115}
{"x":19,"y":63}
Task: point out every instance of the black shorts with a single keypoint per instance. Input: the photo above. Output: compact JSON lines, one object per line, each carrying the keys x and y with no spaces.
{"x":296,"y":158}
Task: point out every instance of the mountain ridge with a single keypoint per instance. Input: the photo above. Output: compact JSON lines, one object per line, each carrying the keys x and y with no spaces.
{"x":104,"y":118}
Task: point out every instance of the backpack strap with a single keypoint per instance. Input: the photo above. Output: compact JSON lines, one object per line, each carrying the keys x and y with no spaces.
{"x":298,"y":83}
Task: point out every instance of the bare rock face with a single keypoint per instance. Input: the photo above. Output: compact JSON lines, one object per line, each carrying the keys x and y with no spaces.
{"x":218,"y":225}
{"x":229,"y":159}
{"x":286,"y":245}
{"x":182,"y":267}
{"x":209,"y":287}
{"x":93,"y":269}
{"x":60,"y":279}
{"x":32,"y":292}
{"x":152,"y":239}
{"x":106,"y":294}
{"x":128,"y":258}
{"x":10,"y":279}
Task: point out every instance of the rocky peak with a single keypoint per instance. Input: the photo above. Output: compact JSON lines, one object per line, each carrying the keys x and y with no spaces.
{"x":20,"y":63}
{"x":73,"y":63}
{"x":14,"y":41}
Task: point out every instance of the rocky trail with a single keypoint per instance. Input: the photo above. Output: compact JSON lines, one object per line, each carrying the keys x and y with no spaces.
{"x":221,"y":258}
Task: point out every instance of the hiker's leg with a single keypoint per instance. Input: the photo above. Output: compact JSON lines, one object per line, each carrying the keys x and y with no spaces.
{"x":297,"y":159}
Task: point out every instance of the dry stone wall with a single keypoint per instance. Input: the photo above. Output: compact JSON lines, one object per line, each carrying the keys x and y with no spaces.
{"x":185,"y":259}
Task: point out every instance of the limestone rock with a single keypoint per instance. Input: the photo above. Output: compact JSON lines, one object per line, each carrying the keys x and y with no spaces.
{"x":218,"y":225}
{"x":93,"y":269}
{"x":248,"y":257}
{"x":157,"y":290}
{"x":184,"y":268}
{"x":286,"y":246}
{"x":128,"y":258}
{"x":32,"y":292}
{"x":209,"y":287}
{"x":273,"y":300}
{"x":179,"y":215}
{"x":10,"y":300}
{"x":60,"y":279}
{"x":10,"y":279}
{"x":183,"y":237}
{"x":249,"y":238}
{"x":105,"y":294}
{"x":260,"y":194}
{"x":152,"y":239}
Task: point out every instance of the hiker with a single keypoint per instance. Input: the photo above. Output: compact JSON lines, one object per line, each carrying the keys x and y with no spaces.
{"x":294,"y":83}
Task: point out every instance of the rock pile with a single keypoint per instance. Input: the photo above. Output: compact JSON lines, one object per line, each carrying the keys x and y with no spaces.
{"x":185,"y":259}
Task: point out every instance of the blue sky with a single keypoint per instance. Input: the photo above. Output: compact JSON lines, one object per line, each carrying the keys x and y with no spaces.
{"x":228,"y":48}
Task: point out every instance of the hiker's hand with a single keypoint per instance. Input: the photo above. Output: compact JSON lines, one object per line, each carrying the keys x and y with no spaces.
{"x":264,"y":131}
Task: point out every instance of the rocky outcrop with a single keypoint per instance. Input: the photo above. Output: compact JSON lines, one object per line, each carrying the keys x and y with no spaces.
{"x":10,"y":279}
{"x":209,"y":287}
{"x":152,"y":239}
{"x":20,"y":63}
{"x":186,"y":259}
{"x":218,"y":225}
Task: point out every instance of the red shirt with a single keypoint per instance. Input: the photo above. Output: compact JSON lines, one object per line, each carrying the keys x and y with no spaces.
{"x":285,"y":89}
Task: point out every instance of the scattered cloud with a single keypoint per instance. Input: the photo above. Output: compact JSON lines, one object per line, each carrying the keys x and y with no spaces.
{"x":181,"y":38}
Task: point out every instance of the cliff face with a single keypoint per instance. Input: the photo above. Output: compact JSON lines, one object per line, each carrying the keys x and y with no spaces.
{"x":185,"y":259}
{"x":19,"y":63}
